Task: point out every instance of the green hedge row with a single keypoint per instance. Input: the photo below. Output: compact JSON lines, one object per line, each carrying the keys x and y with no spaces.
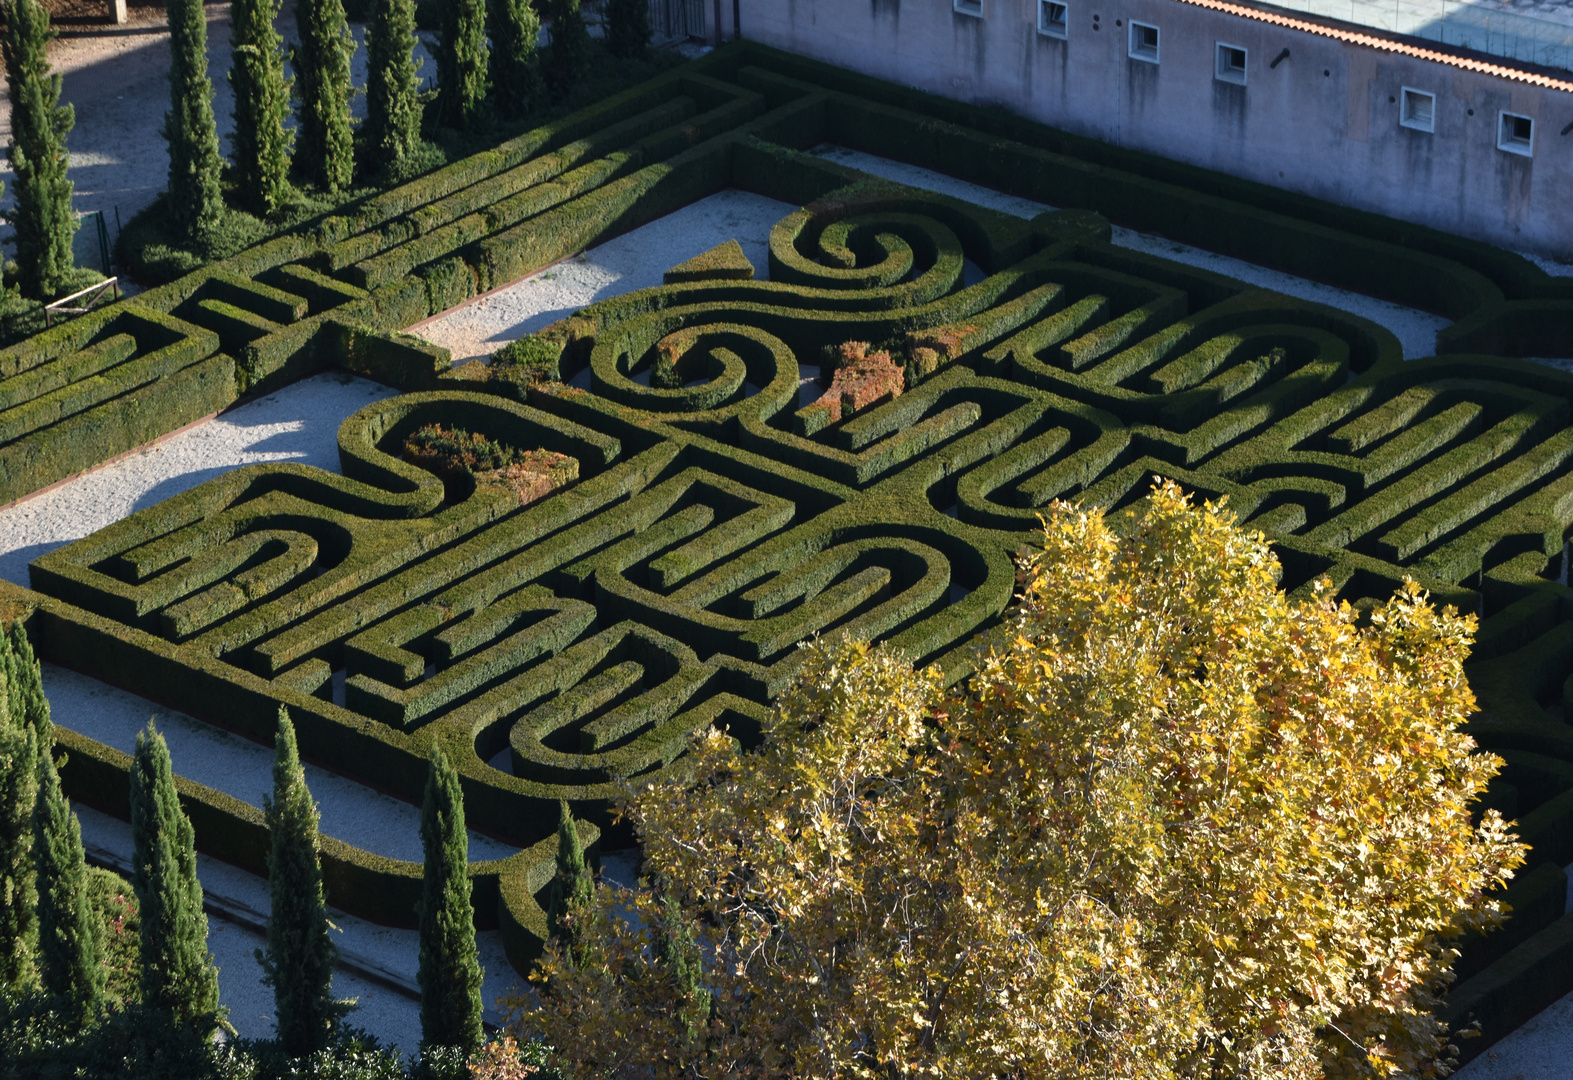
{"x":506,"y":893}
{"x":580,"y":640}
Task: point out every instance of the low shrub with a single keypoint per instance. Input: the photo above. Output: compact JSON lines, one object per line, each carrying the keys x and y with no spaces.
{"x":527,"y":474}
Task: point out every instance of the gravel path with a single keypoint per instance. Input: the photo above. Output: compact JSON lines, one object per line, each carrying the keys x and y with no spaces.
{"x":299,"y":423}
{"x":635,"y":260}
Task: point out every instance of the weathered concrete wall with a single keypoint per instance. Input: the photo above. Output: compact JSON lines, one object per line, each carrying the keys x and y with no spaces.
{"x":1325,"y":121}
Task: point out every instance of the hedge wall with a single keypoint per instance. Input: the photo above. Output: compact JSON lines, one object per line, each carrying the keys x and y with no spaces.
{"x":560,"y":645}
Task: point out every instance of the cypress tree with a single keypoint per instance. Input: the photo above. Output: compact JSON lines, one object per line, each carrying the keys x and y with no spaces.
{"x":25,"y":683}
{"x":676,"y":952}
{"x":516,"y":76}
{"x":627,"y":28}
{"x":43,"y":218}
{"x":25,"y":733}
{"x":572,"y":892}
{"x":195,"y":202}
{"x":300,"y":957}
{"x":325,"y":151}
{"x":570,"y":52}
{"x":393,"y":108}
{"x":461,"y":61}
{"x":177,"y":970}
{"x":261,"y":142}
{"x":450,"y":971}
{"x":70,"y":934}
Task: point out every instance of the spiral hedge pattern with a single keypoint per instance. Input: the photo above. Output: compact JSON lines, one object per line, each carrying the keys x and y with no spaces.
{"x":559,"y":647}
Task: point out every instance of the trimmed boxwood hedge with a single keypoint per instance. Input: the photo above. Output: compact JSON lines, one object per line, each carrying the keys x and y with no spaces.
{"x":563,"y":648}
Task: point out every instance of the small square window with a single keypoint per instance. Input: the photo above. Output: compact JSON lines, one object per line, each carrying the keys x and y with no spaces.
{"x":970,"y":7}
{"x":1417,"y":110}
{"x":1230,"y":66}
{"x":1516,"y":134}
{"x":1144,"y":42}
{"x":1053,"y":19}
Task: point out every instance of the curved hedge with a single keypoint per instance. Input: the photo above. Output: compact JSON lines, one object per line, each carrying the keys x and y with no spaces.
{"x":562,"y":647}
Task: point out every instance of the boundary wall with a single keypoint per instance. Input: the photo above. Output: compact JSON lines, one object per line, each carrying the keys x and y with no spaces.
{"x":1325,"y":120}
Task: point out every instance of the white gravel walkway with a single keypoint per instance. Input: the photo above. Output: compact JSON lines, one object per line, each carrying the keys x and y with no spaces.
{"x":298,"y":423}
{"x":635,"y":260}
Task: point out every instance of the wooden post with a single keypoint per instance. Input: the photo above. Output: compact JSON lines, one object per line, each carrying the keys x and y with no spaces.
{"x":117,"y":11}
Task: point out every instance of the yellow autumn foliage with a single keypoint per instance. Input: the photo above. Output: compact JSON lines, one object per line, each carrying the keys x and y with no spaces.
{"x":1177,"y":824}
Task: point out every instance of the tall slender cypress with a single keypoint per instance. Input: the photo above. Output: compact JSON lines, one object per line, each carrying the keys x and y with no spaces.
{"x":18,"y":877}
{"x":25,"y":734}
{"x":300,"y":957}
{"x":674,"y":948}
{"x":177,"y":970}
{"x":516,"y":76}
{"x":461,"y":61}
{"x":261,"y":142}
{"x":569,"y":56}
{"x":450,"y":971}
{"x":43,"y":217}
{"x":572,"y":892}
{"x":25,"y":683}
{"x":627,"y":28}
{"x":196,"y":204}
{"x":393,"y":108}
{"x":324,"y":150}
{"x":70,"y":933}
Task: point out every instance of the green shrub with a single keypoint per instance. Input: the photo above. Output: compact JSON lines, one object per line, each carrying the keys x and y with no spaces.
{"x":194,"y":202}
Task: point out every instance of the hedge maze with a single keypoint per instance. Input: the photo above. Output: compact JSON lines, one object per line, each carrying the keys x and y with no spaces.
{"x":704,"y":514}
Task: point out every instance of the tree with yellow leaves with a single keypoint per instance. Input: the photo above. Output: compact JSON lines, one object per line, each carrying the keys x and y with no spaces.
{"x":1176,"y":824}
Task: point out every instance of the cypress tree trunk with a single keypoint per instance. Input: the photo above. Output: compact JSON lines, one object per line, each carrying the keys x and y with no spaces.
{"x":450,"y":972}
{"x":195,"y":202}
{"x":570,"y":53}
{"x":393,"y":108}
{"x":627,"y":28}
{"x":70,"y":935}
{"x":177,"y":970}
{"x":572,"y":894}
{"x":43,"y":218}
{"x":325,"y":151}
{"x":300,"y":956}
{"x":261,"y":142}
{"x":461,"y":61}
{"x":516,"y":76}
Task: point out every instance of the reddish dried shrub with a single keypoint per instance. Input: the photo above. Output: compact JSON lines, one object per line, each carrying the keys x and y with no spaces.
{"x":862,"y":379}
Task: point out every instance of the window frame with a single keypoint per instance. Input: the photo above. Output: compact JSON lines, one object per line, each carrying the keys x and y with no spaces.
{"x":1407,"y":119}
{"x":1230,"y":75}
{"x":973,"y":8}
{"x":1046,"y":27}
{"x":1512,"y":144}
{"x":1140,"y":52}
